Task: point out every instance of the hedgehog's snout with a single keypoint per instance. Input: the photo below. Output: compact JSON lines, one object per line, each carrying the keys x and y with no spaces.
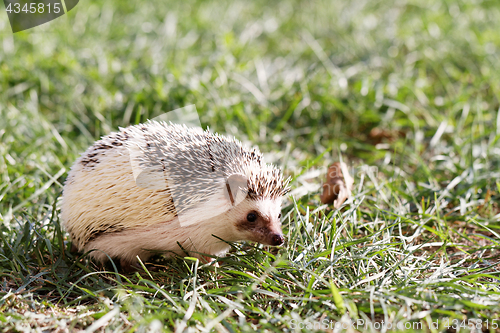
{"x":277,"y":239}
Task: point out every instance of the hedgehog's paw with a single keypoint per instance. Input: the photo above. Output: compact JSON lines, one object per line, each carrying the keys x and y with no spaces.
{"x":133,"y":265}
{"x":206,"y":260}
{"x":130,"y":266}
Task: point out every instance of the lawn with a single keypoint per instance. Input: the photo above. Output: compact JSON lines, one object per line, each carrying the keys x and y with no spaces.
{"x":405,"y":92}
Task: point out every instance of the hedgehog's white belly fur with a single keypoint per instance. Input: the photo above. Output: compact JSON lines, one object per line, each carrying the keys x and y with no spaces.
{"x":107,"y":195}
{"x":162,"y":237}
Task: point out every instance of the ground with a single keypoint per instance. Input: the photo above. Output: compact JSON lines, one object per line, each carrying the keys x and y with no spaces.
{"x":405,"y":92}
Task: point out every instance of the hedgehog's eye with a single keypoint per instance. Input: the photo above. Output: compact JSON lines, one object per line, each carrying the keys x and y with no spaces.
{"x":251,"y":217}
{"x":279,"y":217}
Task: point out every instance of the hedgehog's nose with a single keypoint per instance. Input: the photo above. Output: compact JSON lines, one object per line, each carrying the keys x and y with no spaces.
{"x":277,"y":239}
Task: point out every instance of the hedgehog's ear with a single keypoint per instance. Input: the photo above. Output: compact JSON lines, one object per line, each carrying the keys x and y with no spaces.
{"x":236,"y":186}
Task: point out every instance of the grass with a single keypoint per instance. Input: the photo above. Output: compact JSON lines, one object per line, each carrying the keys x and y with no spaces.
{"x":405,"y":91}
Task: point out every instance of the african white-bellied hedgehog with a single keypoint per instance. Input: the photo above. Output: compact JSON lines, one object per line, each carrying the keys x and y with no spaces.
{"x":159,"y":187}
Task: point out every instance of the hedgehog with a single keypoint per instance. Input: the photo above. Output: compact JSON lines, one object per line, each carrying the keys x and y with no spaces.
{"x":166,"y":188}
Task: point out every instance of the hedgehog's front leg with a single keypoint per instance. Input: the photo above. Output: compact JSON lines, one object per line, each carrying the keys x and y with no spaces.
{"x":131,"y":266}
{"x":209,"y":260}
{"x":128,"y":266}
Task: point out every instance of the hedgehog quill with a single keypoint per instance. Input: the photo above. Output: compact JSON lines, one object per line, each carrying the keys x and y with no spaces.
{"x":159,"y":187}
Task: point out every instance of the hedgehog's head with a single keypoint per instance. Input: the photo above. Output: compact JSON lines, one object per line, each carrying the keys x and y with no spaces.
{"x":256,"y":211}
{"x":259,"y":221}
